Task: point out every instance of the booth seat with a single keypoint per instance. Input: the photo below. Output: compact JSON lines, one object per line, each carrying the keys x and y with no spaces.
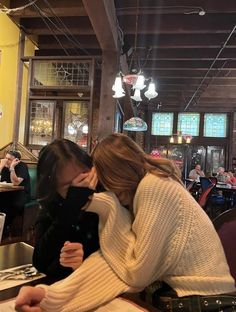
{"x":31,"y":208}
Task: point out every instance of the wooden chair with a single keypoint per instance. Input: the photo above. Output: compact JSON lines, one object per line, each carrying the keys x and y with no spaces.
{"x":225,"y":225}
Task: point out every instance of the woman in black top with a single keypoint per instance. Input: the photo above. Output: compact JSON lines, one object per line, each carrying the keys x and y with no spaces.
{"x":13,"y":170}
{"x":65,"y":234}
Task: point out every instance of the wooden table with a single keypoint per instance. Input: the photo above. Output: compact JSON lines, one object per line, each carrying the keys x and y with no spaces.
{"x":11,"y":188}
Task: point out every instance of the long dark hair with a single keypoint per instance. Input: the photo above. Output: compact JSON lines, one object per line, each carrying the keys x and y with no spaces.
{"x":52,"y":158}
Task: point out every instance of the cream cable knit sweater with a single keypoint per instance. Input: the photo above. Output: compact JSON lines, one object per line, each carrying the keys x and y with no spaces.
{"x":171,"y":239}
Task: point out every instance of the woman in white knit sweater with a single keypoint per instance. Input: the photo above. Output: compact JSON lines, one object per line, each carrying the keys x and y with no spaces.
{"x":151,"y":229}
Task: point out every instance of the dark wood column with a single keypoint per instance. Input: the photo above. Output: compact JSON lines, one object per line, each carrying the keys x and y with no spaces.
{"x":103,"y":19}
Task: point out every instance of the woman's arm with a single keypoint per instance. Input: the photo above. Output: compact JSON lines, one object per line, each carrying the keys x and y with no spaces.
{"x":142,"y":251}
{"x":91,"y":285}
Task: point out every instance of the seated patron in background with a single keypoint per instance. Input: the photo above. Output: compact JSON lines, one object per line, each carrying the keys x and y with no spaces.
{"x":196,"y":173}
{"x":151,"y":230}
{"x":232,"y":178}
{"x":222,"y":175}
{"x":13,"y":170}
{"x":64,"y":234}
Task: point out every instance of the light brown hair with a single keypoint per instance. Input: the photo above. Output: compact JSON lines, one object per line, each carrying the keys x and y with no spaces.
{"x":121,"y":164}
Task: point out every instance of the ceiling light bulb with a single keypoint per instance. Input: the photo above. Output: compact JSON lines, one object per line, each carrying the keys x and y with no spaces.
{"x":118,"y":94}
{"x":117,"y":86}
{"x":139,"y":85}
{"x":137,"y":96}
{"x":151,"y":92}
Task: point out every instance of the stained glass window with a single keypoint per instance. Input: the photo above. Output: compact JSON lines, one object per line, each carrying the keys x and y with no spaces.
{"x":41,"y":122}
{"x":49,"y":73}
{"x":215,"y":125}
{"x":188,"y":123}
{"x":76,"y":122}
{"x":162,"y":123}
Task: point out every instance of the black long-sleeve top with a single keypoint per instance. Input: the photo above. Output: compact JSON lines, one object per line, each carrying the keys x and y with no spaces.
{"x":63,"y":220}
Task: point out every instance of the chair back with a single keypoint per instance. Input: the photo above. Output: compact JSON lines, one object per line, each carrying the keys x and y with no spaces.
{"x":207,"y":186}
{"x":225,"y":225}
{"x":190,"y":185}
{"x":33,"y":180}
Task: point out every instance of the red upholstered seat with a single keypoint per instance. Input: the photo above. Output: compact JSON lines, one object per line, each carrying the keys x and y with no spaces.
{"x":225,"y":225}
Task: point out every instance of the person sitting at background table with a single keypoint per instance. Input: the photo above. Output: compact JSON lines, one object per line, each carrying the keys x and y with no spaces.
{"x":196,"y":173}
{"x":151,"y":230}
{"x":232,"y":178}
{"x":222,"y":175}
{"x":13,"y":170}
{"x":64,"y":234}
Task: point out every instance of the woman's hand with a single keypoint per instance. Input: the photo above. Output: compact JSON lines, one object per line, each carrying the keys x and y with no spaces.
{"x":88,"y":179}
{"x":72,"y":255}
{"x":29,"y":298}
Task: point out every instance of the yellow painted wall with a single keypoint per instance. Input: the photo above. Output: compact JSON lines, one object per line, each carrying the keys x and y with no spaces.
{"x":9,"y":37}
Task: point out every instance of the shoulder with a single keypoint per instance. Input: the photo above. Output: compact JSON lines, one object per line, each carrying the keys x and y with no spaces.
{"x":153,"y":184}
{"x":22,"y":166}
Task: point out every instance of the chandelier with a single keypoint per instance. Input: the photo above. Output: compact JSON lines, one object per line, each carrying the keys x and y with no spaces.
{"x":137,"y":81}
{"x":136,"y":78}
{"x":41,"y":126}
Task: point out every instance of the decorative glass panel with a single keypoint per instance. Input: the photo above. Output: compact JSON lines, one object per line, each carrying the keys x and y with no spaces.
{"x":188,"y":123}
{"x":215,"y":125}
{"x":41,"y":122}
{"x":162,"y":123}
{"x":57,"y":73}
{"x":76,"y":122}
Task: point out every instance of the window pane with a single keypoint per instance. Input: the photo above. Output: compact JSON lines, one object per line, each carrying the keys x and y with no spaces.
{"x":188,"y":123}
{"x":49,"y":73}
{"x":215,"y":125}
{"x":76,"y":122}
{"x":41,"y":122}
{"x":162,"y":123}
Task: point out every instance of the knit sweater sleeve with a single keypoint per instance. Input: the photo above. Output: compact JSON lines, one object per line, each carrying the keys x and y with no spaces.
{"x":91,"y":285}
{"x":141,"y":252}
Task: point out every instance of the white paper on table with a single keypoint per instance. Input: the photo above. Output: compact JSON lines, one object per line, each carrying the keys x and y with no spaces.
{"x":120,"y":304}
{"x":7,"y":306}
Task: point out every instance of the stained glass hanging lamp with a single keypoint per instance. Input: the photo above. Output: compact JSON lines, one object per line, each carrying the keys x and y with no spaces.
{"x":135,"y":124}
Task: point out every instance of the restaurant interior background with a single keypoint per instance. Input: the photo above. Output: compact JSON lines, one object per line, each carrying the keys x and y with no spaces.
{"x":59,"y":60}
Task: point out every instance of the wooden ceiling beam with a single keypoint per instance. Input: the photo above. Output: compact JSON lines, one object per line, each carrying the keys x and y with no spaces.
{"x":216,"y":74}
{"x":182,"y":64}
{"x":182,"y":40}
{"x":72,"y":8}
{"x":195,"y":81}
{"x":103,"y":19}
{"x":45,"y":31}
{"x":70,"y":52}
{"x":173,"y":7}
{"x":188,"y":54}
{"x":169,"y":24}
